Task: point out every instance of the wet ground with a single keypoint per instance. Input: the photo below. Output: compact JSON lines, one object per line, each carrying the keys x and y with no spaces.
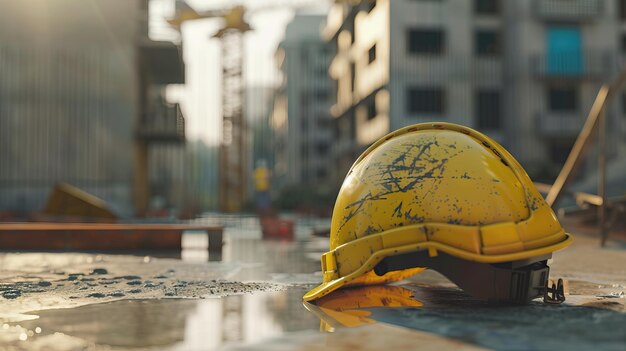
{"x":252,"y":299}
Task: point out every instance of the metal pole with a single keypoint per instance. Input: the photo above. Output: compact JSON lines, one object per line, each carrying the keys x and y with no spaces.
{"x":582,"y":142}
{"x":602,"y":176}
{"x":606,"y":93}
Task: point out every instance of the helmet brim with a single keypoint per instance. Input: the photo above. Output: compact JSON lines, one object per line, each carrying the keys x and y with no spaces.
{"x":366,"y":269}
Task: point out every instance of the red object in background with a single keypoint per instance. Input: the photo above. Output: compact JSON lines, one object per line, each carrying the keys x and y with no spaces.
{"x":276,"y":228}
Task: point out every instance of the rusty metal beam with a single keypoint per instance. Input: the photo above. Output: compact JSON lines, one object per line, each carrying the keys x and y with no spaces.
{"x":101,"y":236}
{"x":103,"y":226}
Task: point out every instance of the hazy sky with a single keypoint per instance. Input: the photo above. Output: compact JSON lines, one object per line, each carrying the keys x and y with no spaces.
{"x":200,"y":97}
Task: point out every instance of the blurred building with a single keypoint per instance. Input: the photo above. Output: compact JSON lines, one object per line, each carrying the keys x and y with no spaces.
{"x":82,"y":101}
{"x":300,"y":118}
{"x":524,"y":72}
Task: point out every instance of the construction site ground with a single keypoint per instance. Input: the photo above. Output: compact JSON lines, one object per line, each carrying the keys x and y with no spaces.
{"x":252,"y":300}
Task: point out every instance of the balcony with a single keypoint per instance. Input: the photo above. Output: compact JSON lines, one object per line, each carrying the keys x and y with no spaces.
{"x":164,"y":124}
{"x":568,"y":10}
{"x":591,"y":66}
{"x":558,"y":124}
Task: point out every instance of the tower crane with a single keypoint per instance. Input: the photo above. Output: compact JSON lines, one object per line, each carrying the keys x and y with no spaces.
{"x":233,"y":156}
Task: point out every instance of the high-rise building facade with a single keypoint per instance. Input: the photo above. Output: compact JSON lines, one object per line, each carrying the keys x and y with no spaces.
{"x":524,"y":72}
{"x":300,"y":118}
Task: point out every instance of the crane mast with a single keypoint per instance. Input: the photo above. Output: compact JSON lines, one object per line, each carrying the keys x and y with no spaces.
{"x":232,"y":152}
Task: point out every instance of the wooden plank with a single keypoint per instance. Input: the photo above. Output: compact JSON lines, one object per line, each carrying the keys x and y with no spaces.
{"x":97,"y":236}
{"x":90,"y":240}
{"x":103,"y":226}
{"x":69,"y":201}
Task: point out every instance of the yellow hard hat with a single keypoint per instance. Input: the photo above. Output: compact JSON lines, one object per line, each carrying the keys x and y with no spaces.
{"x":446,"y":197}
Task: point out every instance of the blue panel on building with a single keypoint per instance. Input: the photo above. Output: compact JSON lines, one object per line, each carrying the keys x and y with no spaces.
{"x":564,"y":48}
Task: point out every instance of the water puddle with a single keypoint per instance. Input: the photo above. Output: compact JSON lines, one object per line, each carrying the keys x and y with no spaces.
{"x":180,"y":306}
{"x":177,"y":324}
{"x":263,"y":318}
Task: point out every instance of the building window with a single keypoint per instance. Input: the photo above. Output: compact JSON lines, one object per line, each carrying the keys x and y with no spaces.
{"x":563,"y":99}
{"x":560,"y":150}
{"x":487,"y":7}
{"x":487,"y":43}
{"x":425,"y":100}
{"x":304,"y":151}
{"x":304,"y":99}
{"x":622,"y":9}
{"x":372,"y":54}
{"x":425,"y":41}
{"x":322,"y":148}
{"x":304,"y":57}
{"x":321,"y":173}
{"x":324,"y":122}
{"x":321,"y":95}
{"x":352,"y":77}
{"x":488,"y":112}
{"x":371,"y":108}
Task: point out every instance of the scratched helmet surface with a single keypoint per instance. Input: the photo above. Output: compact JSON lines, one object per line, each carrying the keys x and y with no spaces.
{"x":434,"y":188}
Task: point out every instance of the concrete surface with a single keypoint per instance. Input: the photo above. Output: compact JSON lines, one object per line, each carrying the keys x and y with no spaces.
{"x":252,"y":300}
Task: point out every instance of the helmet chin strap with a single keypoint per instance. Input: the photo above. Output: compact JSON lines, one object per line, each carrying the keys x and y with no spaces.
{"x":515,"y":282}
